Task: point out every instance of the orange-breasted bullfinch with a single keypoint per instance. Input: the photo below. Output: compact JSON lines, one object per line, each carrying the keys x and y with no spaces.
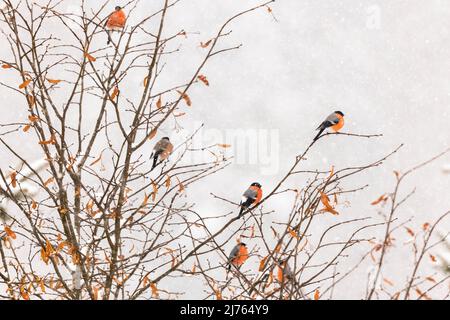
{"x":116,"y":21}
{"x":335,"y":121}
{"x":238,"y":255}
{"x":284,"y":271}
{"x":162,"y":150}
{"x":252,"y":196}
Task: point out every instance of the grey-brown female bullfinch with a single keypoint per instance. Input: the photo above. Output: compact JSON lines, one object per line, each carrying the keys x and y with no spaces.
{"x":238,"y":255}
{"x":162,"y":150}
{"x":116,"y":21}
{"x":334,"y":120}
{"x":252,"y":196}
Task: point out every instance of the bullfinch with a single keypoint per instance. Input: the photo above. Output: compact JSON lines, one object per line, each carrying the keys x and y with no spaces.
{"x":162,"y":150}
{"x":334,"y":120}
{"x":238,"y":255}
{"x":284,"y":271}
{"x":252,"y":196}
{"x":116,"y":21}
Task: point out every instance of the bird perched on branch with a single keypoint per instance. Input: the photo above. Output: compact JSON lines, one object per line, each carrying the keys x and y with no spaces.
{"x":162,"y":150}
{"x":335,"y":121}
{"x":238,"y":255}
{"x":252,"y":196}
{"x":116,"y":22}
{"x":284,"y":271}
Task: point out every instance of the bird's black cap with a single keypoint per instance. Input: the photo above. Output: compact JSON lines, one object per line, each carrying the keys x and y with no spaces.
{"x":256,"y":184}
{"x":242,"y":244}
{"x":339,"y":112}
{"x":118,"y":8}
{"x":166,"y":138}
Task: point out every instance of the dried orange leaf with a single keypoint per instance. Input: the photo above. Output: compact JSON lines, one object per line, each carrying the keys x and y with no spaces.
{"x":180,"y":186}
{"x":206,"y":44}
{"x":433,"y":258}
{"x":425,"y":226}
{"x":159,"y":103}
{"x":10,"y":233}
{"x":155,"y":293}
{"x":203,"y":79}
{"x":155,"y":191}
{"x":168,"y":182}
{"x":89,"y":57}
{"x":53,"y":81}
{"x":24,"y":84}
{"x":145,"y":81}
{"x":410,"y":232}
{"x":293,"y":233}
{"x":33,"y":118}
{"x":224,"y":145}
{"x":317,"y":295}
{"x":152,"y":133}
{"x":49,"y":180}
{"x":114,"y":93}
{"x":26,"y":128}
{"x":13,"y":179}
{"x":6,"y":66}
{"x":185,"y":98}
{"x":380,"y":199}
{"x":262,"y":264}
{"x":387,"y":281}
{"x":326,"y":202}
{"x":218,"y":295}
{"x":31,"y":100}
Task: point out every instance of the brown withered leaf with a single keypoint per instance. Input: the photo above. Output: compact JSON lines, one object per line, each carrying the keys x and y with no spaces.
{"x":293,"y":234}
{"x":433,"y":258}
{"x":185,"y":97}
{"x":410,"y":231}
{"x":155,"y":190}
{"x":382,"y":198}
{"x":24,"y":84}
{"x":155,"y":293}
{"x":10,"y":233}
{"x":49,"y":181}
{"x":159,"y":103}
{"x":145,"y":81}
{"x":31,"y":100}
{"x":152,"y":133}
{"x":6,"y":66}
{"x":89,"y":57}
{"x":179,"y":114}
{"x":206,"y":44}
{"x":114,"y":93}
{"x":326,"y":202}
{"x":203,"y":79}
{"x":225,"y":146}
{"x":33,"y":118}
{"x":168,"y":182}
{"x":54,"y":81}
{"x":180,"y":186}
{"x":317,"y":295}
{"x":26,"y":128}
{"x":262,"y":264}
{"x":13,"y":177}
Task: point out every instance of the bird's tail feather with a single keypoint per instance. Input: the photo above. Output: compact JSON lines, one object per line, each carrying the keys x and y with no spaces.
{"x":155,"y":159}
{"x":321,"y":129}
